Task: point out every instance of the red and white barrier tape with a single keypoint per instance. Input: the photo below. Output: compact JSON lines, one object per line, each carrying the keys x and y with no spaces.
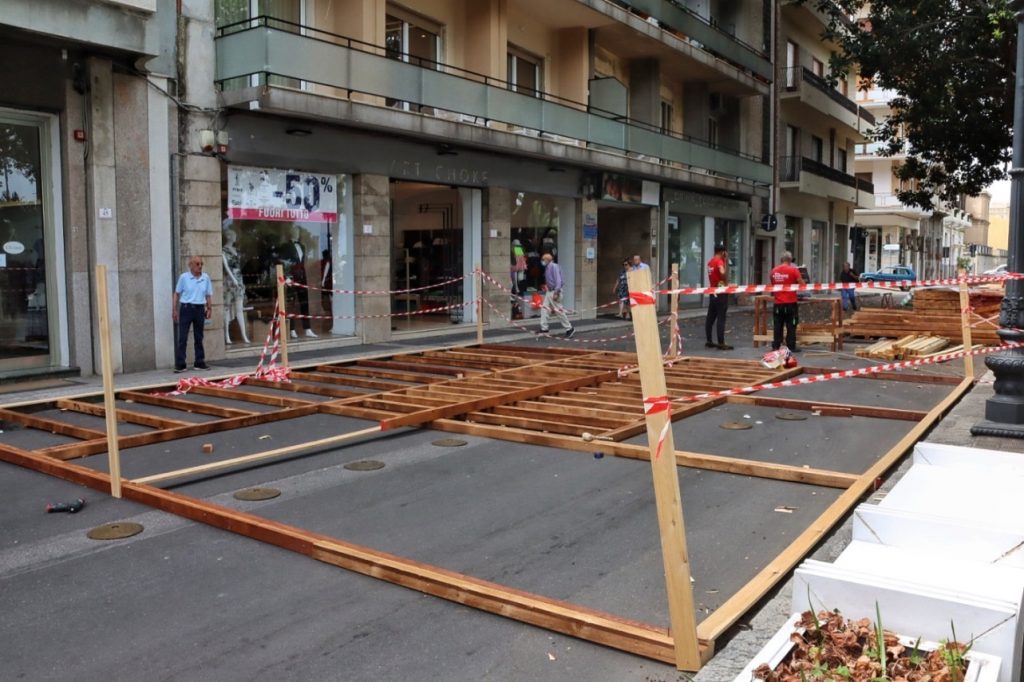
{"x":830,"y":286}
{"x":656,"y":404}
{"x":288,"y":282}
{"x":529,"y":301}
{"x":556,"y":337}
{"x":422,"y":311}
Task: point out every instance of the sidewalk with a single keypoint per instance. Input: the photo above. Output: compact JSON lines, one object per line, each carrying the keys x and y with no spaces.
{"x":757,"y":629}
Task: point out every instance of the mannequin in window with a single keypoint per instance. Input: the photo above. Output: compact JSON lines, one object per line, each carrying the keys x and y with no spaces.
{"x":234,"y":289}
{"x":292,"y":255}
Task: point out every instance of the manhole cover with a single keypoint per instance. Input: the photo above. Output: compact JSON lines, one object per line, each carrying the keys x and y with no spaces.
{"x":449,"y":443}
{"x":736,"y":426}
{"x":791,"y":416}
{"x":257,"y":494}
{"x":115,"y":531}
{"x":364,"y":465}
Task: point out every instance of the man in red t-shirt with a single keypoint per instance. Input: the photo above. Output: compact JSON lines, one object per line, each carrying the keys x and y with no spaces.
{"x":786,"y":311}
{"x":718,"y":304}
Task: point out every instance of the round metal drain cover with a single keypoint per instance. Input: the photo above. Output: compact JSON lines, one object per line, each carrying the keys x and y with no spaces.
{"x":736,"y":426}
{"x":257,"y":494}
{"x":364,"y":465}
{"x":449,"y":443}
{"x":115,"y":531}
{"x":791,"y":416}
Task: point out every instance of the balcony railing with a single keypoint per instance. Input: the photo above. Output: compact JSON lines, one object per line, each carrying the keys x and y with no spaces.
{"x":273,"y":47}
{"x":865,"y":185}
{"x":707,"y":32}
{"x":792,"y":166}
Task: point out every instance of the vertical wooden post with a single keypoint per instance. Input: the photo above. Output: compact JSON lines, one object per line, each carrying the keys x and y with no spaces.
{"x":478,"y":279}
{"x":666,"y":476}
{"x":282,"y":320}
{"x":965,"y":322}
{"x":109,"y":406}
{"x":674,"y":340}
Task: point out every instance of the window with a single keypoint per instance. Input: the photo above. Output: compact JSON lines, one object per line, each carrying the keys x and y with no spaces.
{"x":844,"y":87}
{"x":712,"y":132}
{"x":792,"y":64}
{"x":817,"y":67}
{"x":666,"y":116}
{"x":412,"y":39}
{"x":817,"y":148}
{"x":525,"y":74}
{"x":841,"y":160}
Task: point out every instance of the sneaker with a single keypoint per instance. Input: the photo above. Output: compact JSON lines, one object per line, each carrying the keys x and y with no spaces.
{"x":294,"y":334}
{"x":708,"y":344}
{"x":179,"y":370}
{"x":570,"y":332}
{"x":723,"y":346}
{"x":544,"y":331}
{"x":201,"y":365}
{"x":311,"y":334}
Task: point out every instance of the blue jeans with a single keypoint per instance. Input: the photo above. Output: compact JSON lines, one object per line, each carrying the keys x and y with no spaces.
{"x":190,"y":315}
{"x":849,"y":298}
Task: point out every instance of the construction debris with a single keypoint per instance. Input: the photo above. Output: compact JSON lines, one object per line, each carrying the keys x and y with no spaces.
{"x":935,"y":312}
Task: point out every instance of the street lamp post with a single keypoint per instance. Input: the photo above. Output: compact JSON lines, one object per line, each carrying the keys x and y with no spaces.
{"x":1004,"y":412}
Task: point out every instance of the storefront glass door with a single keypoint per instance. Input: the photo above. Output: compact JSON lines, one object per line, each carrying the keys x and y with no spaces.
{"x":686,"y":248}
{"x":26,"y":286}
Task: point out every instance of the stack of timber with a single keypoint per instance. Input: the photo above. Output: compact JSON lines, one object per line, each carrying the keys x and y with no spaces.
{"x":951,"y":349}
{"x":912,"y":346}
{"x":936,"y":312}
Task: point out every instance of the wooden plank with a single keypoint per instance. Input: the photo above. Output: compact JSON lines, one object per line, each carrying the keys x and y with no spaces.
{"x":577,"y":621}
{"x":666,"y":481}
{"x":405,"y":366}
{"x":355,"y":382}
{"x":907,"y":377}
{"x":183,"y":405}
{"x":250,"y":396}
{"x":750,"y":594}
{"x":256,"y":457}
{"x":541,"y":425}
{"x":415,"y":363}
{"x":51,"y":425}
{"x":281,"y":311}
{"x":593,"y":421}
{"x":430,"y":415}
{"x":93,"y":447}
{"x":305,"y":387}
{"x":569,"y":399}
{"x":639,"y":426}
{"x":395,"y":375}
{"x":127,"y":416}
{"x":855,"y":410}
{"x":107,"y":370}
{"x":965,"y":334}
{"x":356,"y":412}
{"x":832,"y":411}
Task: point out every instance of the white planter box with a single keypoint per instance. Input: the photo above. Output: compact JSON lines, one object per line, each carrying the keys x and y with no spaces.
{"x":909,"y":606}
{"x":995,"y":462}
{"x":966,"y":494}
{"x":981,"y":667}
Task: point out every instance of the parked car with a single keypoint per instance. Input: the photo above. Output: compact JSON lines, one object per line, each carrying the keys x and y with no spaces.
{"x":890,"y":273}
{"x":998,"y":270}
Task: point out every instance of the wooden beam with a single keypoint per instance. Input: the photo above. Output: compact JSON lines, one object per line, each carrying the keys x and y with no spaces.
{"x":965,"y":322}
{"x":750,"y":594}
{"x":250,"y":396}
{"x":349,"y":380}
{"x":424,"y":416}
{"x":638,"y":426}
{"x":910,"y":376}
{"x":183,"y":405}
{"x":51,"y":425}
{"x":257,"y":457}
{"x":127,"y":416}
{"x":854,"y":410}
{"x":107,"y":370}
{"x":558,"y":616}
{"x":305,"y":387}
{"x":283,"y":325}
{"x":407,"y":365}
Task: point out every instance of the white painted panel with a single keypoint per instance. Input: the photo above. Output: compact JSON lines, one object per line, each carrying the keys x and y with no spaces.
{"x":965,"y":494}
{"x":995,"y":462}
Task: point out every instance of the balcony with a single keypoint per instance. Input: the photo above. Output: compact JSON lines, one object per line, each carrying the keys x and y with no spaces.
{"x":712,"y":36}
{"x":276,"y":51}
{"x":814,"y":96}
{"x":813,"y":177}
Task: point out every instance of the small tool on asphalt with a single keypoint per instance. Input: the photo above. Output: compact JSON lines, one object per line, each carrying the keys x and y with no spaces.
{"x":69,"y":507}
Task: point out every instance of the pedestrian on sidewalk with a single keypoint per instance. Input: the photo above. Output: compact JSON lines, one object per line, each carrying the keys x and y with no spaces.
{"x":191,"y":306}
{"x":718,"y":304}
{"x":849,"y":275}
{"x":621,"y":290}
{"x":639,"y":264}
{"x":553,"y":284}
{"x":786,"y":312}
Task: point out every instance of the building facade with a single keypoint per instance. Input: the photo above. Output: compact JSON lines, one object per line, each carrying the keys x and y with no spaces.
{"x":87,"y":147}
{"x":818,"y":127}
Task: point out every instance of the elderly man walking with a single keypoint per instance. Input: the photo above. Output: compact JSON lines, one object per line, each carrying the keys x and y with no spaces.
{"x":553,"y":284}
{"x":191,"y":307}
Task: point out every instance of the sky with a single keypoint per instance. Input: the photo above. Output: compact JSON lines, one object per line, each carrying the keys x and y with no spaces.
{"x":1000,"y":192}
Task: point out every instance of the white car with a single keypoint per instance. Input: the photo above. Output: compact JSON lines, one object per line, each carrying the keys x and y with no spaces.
{"x":999,"y":270}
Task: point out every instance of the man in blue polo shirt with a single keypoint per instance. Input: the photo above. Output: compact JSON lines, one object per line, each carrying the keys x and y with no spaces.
{"x":192,"y":306}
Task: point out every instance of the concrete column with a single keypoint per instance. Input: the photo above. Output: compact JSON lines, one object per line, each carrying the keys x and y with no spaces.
{"x":586,"y":284}
{"x":77,"y":224}
{"x":497,"y":252}
{"x":160,"y":234}
{"x":645,"y":91}
{"x":200,"y":217}
{"x":371,"y":204}
{"x":486,"y":38}
{"x":101,"y":187}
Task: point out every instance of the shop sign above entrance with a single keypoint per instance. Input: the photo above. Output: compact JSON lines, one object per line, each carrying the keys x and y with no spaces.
{"x":617,"y":187}
{"x":271,"y":194}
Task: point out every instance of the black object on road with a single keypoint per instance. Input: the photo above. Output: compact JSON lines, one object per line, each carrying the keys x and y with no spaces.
{"x":69,"y":507}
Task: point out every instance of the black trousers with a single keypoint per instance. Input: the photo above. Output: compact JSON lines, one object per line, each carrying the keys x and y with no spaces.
{"x":190,"y":315}
{"x":786,"y":315}
{"x":718,"y":306}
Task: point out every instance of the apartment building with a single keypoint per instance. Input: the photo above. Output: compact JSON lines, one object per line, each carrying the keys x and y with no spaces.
{"x":85,"y":179}
{"x":932,"y":241}
{"x":818,"y":127}
{"x":375,"y":145}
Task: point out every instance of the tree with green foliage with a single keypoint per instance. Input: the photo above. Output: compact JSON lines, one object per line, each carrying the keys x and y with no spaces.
{"x":951,"y":65}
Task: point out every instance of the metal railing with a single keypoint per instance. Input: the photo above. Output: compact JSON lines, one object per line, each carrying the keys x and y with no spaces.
{"x":289,"y":50}
{"x":865,"y":185}
{"x":795,"y":74}
{"x":792,"y":166}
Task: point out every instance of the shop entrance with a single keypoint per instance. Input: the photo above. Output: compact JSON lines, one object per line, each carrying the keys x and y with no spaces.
{"x":623,"y":231}
{"x":428,"y":240}
{"x":685,"y":247}
{"x":764,"y":259}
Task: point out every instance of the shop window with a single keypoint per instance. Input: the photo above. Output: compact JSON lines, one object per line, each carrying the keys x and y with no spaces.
{"x":686,"y":248}
{"x":817,"y":265}
{"x":525,"y":72}
{"x":534,"y":233}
